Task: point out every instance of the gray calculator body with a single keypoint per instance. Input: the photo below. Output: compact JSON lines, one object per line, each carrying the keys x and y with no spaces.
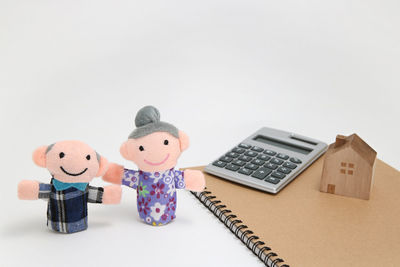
{"x":267,"y":160}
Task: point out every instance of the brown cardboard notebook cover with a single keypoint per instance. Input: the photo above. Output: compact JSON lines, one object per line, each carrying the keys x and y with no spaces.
{"x":306,"y":227}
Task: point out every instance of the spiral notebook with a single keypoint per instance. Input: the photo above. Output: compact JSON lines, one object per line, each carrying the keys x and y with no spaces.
{"x":302,"y":226}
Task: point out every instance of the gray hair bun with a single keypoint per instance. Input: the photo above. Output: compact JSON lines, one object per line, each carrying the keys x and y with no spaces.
{"x":146,"y":115}
{"x":148,"y":121}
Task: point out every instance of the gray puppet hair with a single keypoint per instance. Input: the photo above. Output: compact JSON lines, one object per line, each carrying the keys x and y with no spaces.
{"x":51,"y":146}
{"x":148,"y":121}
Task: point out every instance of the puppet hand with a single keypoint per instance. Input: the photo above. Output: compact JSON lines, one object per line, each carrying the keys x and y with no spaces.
{"x":114,"y":173}
{"x":28,"y":190}
{"x":194,"y":180}
{"x":112,"y":194}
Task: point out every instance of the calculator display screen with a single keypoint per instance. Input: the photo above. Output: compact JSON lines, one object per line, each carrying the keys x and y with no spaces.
{"x":282,"y":144}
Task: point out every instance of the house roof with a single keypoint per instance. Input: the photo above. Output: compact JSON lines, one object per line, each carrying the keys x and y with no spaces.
{"x":357,"y":144}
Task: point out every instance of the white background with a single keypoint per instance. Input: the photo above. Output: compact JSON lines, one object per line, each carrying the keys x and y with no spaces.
{"x":218,"y":70}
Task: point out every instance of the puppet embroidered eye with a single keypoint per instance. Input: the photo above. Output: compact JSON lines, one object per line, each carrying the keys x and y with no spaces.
{"x":88,"y":157}
{"x":61,"y":155}
{"x":166,"y":142}
{"x":141,"y":148}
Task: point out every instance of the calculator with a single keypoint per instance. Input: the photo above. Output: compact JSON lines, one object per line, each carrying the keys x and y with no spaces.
{"x":267,"y":160}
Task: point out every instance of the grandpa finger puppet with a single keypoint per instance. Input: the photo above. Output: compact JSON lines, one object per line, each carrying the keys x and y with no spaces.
{"x":155,"y":146}
{"x":72,"y":165}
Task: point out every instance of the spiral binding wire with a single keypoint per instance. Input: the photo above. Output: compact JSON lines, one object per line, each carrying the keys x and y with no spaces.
{"x":239,"y":229}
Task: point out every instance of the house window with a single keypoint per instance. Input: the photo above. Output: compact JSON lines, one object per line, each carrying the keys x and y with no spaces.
{"x":347,"y":168}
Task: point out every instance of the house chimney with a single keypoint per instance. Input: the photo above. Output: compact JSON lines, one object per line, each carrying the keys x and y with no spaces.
{"x":340,"y":140}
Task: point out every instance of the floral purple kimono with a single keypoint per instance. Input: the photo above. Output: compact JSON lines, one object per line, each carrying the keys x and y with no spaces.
{"x":156,"y":193}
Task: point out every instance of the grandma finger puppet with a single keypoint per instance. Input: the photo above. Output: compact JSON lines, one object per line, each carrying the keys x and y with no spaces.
{"x":72,"y":165}
{"x":155,"y":146}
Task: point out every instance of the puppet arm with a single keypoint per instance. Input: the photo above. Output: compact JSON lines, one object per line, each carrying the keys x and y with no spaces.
{"x":190,"y":179}
{"x":110,"y":194}
{"x":95,"y":194}
{"x":130,"y":178}
{"x":116,"y":174}
{"x":32,"y":190}
{"x":194,"y":180}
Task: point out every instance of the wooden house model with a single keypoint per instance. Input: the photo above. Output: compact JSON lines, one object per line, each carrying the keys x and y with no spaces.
{"x":348,"y":167}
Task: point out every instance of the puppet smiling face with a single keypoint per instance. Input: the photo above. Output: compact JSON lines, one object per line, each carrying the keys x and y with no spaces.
{"x":154,"y":152}
{"x":154,"y":145}
{"x":70,"y":161}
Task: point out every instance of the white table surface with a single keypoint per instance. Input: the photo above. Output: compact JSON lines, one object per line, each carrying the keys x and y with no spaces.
{"x":218,"y":70}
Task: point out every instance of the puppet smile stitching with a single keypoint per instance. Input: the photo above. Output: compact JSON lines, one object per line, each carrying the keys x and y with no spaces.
{"x":159,"y":163}
{"x":73,"y":174}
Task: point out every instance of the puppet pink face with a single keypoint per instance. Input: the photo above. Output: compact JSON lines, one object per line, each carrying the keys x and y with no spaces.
{"x":158,"y":151}
{"x":70,"y":161}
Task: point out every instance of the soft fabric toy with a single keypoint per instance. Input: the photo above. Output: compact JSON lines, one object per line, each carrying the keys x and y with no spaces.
{"x":73,"y":165}
{"x":154,"y":146}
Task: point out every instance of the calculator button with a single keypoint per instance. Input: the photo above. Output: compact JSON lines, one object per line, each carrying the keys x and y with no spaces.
{"x":271,"y":166}
{"x":282,"y":156}
{"x":270,"y":152}
{"x":258,"y":161}
{"x":258,"y":149}
{"x":238,"y":162}
{"x":232,"y":167}
{"x":272,"y":180}
{"x":219,"y":163}
{"x":238,"y":150}
{"x":245,"y":171}
{"x":245,"y":158}
{"x":276,"y":161}
{"x":251,"y":166}
{"x":284,"y":170}
{"x":246,"y":146}
{"x":295,"y":160}
{"x":268,"y":168}
{"x":263,"y":157}
{"x":251,"y":154}
{"x":232,"y":154}
{"x":278,"y":175}
{"x":261,"y":173}
{"x":289,"y":165}
{"x":226,"y":159}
